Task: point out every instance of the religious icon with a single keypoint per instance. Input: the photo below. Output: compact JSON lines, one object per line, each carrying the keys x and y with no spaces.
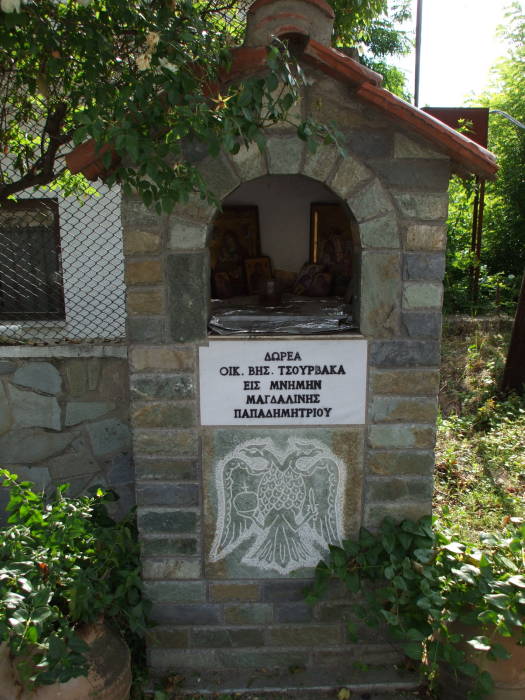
{"x":287,"y":505}
{"x":258,"y":272}
{"x":331,"y":243}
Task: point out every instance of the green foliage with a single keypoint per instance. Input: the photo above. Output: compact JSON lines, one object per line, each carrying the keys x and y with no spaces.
{"x":145,"y":76}
{"x":64,"y":562}
{"x":503,"y":247}
{"x":480,"y":448}
{"x":420,"y":580}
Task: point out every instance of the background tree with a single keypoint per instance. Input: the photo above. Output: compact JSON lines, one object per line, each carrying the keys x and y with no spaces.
{"x":143,"y":75}
{"x":503,"y":250}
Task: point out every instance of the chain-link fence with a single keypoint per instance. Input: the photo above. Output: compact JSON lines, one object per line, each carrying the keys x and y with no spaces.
{"x":62,"y":269}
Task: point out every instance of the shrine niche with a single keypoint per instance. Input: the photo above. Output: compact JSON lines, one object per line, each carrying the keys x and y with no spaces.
{"x":284,"y":370}
{"x":284,"y":263}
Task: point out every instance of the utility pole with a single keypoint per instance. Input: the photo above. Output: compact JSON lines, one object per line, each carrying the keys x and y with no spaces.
{"x":419,"y":24}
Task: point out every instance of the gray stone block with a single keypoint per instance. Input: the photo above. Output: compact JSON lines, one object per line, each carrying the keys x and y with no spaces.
{"x":294,"y":612}
{"x":7,"y":367}
{"x":119,"y":469}
{"x":192,"y":614}
{"x":369,"y":202}
{"x":370,"y":143}
{"x":424,"y":267}
{"x":350,"y":174}
{"x":5,"y":412}
{"x":248,"y":614}
{"x":305,"y":635}
{"x":227,"y":638}
{"x":170,"y":569}
{"x":146,"y":330}
{"x":80,"y":411}
{"x":29,"y":445}
{"x":167,"y":521}
{"x":157,"y":414}
{"x":136,"y":216}
{"x":418,"y":462}
{"x":405,"y":147}
{"x":163,"y":661}
{"x":282,"y":659}
{"x":405,"y":409}
{"x":219,"y":176}
{"x":32,"y":410}
{"x":39,"y":376}
{"x":389,"y":489}
{"x":401,"y":436}
{"x":421,"y":174}
{"x":284,"y":154}
{"x":169,"y":546}
{"x":414,"y":382}
{"x":149,"y":387}
{"x":380,"y":293}
{"x":422,"y":324}
{"x":284,"y":591}
{"x":238,"y":592}
{"x":165,"y":443}
{"x":249,"y":162}
{"x":188,"y":290}
{"x":380,"y":233}
{"x":167,"y":638}
{"x":375,"y":513}
{"x":73,"y":464}
{"x":417,"y":295}
{"x":184,"y":234}
{"x":319,"y":165}
{"x":107,"y":436}
{"x":426,"y":237}
{"x":419,"y":205}
{"x":166,"y":469}
{"x":404,"y":353}
{"x":166,"y":494}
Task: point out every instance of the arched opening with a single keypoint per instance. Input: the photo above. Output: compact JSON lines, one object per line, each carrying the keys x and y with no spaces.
{"x":283,"y":260}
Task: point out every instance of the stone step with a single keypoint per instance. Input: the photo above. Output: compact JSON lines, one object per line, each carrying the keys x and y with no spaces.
{"x":373,"y":683}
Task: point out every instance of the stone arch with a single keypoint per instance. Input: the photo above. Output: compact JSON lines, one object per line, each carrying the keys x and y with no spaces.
{"x":378,"y":247}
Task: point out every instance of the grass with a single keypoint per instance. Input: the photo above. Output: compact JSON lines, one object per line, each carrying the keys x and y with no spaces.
{"x":480,"y":451}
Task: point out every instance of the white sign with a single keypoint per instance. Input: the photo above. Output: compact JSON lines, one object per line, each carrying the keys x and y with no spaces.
{"x":283,"y":382}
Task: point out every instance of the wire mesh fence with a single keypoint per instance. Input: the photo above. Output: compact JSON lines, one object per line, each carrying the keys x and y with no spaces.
{"x":62,"y":269}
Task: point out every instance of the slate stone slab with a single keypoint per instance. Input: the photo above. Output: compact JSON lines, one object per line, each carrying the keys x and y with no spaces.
{"x":5,"y":413}
{"x":150,"y":387}
{"x":80,"y":411}
{"x":40,"y":376}
{"x":108,"y":436}
{"x":7,"y":367}
{"x":29,"y":445}
{"x":188,"y":292}
{"x":231,"y":495}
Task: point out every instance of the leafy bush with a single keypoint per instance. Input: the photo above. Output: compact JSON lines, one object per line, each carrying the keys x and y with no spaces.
{"x":64,"y":563}
{"x":420,"y":580}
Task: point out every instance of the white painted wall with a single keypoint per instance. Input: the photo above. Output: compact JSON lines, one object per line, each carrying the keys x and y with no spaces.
{"x":93,"y":272}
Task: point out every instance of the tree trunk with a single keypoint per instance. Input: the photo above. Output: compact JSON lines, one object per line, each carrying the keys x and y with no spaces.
{"x":514,"y":374}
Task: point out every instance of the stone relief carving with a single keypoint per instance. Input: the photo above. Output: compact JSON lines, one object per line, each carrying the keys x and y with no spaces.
{"x":286,"y":504}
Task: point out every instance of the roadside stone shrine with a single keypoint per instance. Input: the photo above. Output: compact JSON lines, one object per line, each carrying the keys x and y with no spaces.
{"x":284,"y":366}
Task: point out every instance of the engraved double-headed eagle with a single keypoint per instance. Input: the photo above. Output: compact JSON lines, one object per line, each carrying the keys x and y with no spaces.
{"x":284,"y":506}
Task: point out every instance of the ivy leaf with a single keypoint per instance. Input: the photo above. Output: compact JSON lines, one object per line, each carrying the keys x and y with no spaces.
{"x":479,"y":643}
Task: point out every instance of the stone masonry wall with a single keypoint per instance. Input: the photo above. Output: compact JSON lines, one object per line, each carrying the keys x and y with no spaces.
{"x":64,"y":419}
{"x":213,"y":617}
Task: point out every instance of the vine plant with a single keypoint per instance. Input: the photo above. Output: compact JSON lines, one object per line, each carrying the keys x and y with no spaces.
{"x":424,"y":582}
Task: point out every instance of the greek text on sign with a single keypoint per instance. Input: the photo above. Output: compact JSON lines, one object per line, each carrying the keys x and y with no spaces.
{"x":283,"y":382}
